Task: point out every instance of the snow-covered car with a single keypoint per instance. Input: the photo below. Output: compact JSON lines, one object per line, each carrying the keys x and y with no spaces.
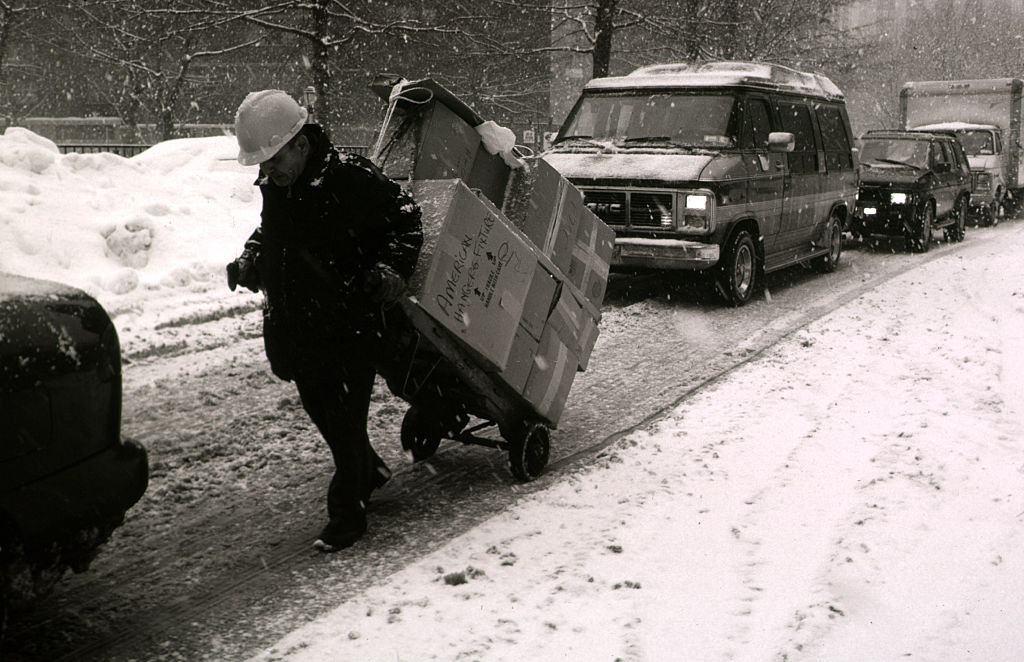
{"x":912,"y":183}
{"x":66,"y":476}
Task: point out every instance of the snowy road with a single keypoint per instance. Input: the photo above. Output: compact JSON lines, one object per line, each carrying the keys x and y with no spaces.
{"x":215,"y":562}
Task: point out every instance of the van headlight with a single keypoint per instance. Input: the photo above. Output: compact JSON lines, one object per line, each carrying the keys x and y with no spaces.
{"x":898,"y":198}
{"x":695,"y":212}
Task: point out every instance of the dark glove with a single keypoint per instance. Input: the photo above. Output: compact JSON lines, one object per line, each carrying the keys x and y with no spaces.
{"x":383,"y":284}
{"x":242,"y":271}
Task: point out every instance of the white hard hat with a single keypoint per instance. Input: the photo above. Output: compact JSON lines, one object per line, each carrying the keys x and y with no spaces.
{"x":265,"y":122}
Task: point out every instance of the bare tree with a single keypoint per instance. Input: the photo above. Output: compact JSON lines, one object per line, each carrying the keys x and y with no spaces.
{"x":146,"y":52}
{"x":641,"y":31}
{"x":330,"y":28}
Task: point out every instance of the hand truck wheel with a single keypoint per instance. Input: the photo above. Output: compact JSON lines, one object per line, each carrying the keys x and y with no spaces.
{"x":420,"y":435}
{"x":529,"y":450}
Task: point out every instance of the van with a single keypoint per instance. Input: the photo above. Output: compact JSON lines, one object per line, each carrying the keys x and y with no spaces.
{"x":734,"y":169}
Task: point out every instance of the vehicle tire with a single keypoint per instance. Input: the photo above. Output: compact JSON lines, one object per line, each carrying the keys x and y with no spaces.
{"x":736,"y":274}
{"x":528,"y":452}
{"x":420,"y":435}
{"x":921,"y":240}
{"x":955,"y":232}
{"x":828,"y":262}
{"x":993,"y":213}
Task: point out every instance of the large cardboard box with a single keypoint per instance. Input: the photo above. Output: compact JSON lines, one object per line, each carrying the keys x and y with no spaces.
{"x":446,"y":145}
{"x":520,"y":360}
{"x":575,"y":325}
{"x":540,"y":299}
{"x":591,"y":256}
{"x":489,"y":174}
{"x":547,"y":208}
{"x":474,"y":272}
{"x":551,"y":376}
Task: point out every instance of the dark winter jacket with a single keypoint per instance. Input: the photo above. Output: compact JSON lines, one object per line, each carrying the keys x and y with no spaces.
{"x":320,"y":240}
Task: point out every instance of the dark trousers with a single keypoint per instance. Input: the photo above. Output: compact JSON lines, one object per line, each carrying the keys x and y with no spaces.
{"x":335,"y":392}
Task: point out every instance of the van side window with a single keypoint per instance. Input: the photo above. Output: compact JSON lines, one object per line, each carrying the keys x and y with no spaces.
{"x":834,"y":138}
{"x":758,"y":124}
{"x":796,"y":118}
{"x":999,"y":144}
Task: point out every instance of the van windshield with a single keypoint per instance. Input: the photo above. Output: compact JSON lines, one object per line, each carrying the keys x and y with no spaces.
{"x":675,"y":119}
{"x":976,"y":142}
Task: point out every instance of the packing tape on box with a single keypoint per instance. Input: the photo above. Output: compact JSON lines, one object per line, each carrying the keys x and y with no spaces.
{"x":592,"y":262}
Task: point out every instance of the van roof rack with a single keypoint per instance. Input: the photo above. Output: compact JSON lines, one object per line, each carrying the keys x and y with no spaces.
{"x":726,"y":73}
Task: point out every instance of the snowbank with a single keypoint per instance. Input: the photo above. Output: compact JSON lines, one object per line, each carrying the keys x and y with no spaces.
{"x":124,"y":229}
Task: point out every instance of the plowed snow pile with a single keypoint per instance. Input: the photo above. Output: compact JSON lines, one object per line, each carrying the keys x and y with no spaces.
{"x":147,"y":236}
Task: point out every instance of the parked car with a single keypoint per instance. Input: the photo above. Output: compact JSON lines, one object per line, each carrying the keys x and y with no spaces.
{"x":66,"y":476}
{"x":911,"y":183}
{"x":733,"y":169}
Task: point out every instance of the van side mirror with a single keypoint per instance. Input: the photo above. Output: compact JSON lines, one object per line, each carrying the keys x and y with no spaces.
{"x":781,"y":141}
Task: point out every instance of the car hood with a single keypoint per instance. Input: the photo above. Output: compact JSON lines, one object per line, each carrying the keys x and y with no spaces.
{"x":661,"y":167}
{"x":893,"y":175}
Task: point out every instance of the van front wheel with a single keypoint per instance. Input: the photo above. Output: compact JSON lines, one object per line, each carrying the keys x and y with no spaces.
{"x":736,"y":275}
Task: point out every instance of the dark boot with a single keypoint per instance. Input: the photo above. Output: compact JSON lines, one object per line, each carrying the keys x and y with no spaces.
{"x":340,"y":534}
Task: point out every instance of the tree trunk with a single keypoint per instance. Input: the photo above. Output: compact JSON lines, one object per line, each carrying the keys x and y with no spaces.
{"x":326,"y":113}
{"x":604,"y":29}
{"x":6,"y":20}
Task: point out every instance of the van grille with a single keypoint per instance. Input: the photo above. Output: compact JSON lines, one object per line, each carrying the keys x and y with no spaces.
{"x":650,"y":209}
{"x":609,"y":206}
{"x":634,"y":208}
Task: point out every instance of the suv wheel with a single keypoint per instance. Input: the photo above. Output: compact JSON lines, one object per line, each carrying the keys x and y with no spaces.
{"x":828,"y":262}
{"x":736,"y":275}
{"x":955,"y":232}
{"x":920,"y":241}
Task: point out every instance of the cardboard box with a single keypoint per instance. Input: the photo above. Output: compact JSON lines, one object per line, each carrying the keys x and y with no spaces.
{"x":575,"y":326}
{"x":547,"y":208}
{"x":591,"y":256}
{"x":474,"y":272}
{"x":540,"y":300}
{"x":446,"y":145}
{"x":490,"y":174}
{"x":520,"y":360}
{"x":551,"y":376}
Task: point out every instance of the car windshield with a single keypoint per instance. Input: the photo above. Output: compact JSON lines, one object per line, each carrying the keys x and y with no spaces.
{"x":912,"y":153}
{"x":976,"y":142}
{"x":644,"y":119}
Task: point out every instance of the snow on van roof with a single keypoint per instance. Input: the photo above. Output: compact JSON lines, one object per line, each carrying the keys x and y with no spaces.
{"x":721,"y":74}
{"x":954,"y":126}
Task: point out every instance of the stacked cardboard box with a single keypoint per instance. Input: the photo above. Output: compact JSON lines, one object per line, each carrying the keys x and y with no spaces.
{"x":513,"y":263}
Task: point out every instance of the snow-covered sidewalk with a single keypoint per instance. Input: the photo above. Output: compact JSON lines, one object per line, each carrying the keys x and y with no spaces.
{"x":853,"y":494}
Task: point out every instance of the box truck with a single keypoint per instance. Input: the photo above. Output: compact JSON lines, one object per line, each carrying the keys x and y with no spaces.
{"x":985,"y":115}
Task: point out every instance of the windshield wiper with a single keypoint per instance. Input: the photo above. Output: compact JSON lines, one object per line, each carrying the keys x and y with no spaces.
{"x":652,"y":139}
{"x":583,"y":139}
{"x":902,"y":163}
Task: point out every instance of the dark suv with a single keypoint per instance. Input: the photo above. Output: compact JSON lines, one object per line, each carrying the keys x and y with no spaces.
{"x":67,"y":478}
{"x":911,"y":183}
